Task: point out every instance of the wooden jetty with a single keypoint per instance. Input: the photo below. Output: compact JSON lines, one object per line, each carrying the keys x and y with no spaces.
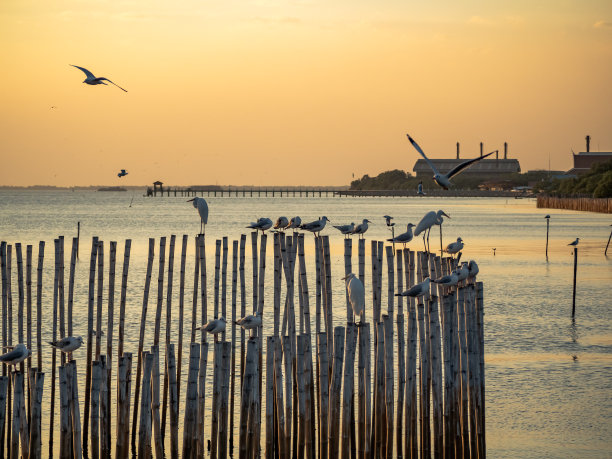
{"x":407,"y":380}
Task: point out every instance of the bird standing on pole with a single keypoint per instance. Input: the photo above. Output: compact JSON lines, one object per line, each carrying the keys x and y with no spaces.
{"x":202,"y":206}
{"x":356,"y":295}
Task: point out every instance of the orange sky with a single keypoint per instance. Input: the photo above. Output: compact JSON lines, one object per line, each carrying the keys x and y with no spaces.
{"x":295,"y":92}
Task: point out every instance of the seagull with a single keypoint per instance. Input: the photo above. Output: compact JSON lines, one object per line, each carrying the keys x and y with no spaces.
{"x":262,"y":224}
{"x":250,"y":322}
{"x":444,"y":179}
{"x":416,"y":290}
{"x":473,"y":268}
{"x":214,"y":326}
{"x":92,"y":80}
{"x":388,"y":219}
{"x":449,"y":280}
{"x":202,"y":206}
{"x":281,"y":223}
{"x":347,"y":230}
{"x":295,"y":222}
{"x":454,"y":247}
{"x":420,"y":191}
{"x":17,"y":355}
{"x":123,"y":173}
{"x":356,"y":294}
{"x":67,"y":344}
{"x":404,"y":238}
{"x":430,"y":219}
{"x":547,"y":216}
{"x":575,"y":243}
{"x":362,"y":228}
{"x":316,"y":226}
{"x":463,"y":272}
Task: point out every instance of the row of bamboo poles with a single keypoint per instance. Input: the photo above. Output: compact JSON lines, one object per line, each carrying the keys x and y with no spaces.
{"x":603,"y":205}
{"x":406,"y":382}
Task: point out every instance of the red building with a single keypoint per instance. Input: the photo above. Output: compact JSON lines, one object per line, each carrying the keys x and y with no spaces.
{"x":584,"y":160}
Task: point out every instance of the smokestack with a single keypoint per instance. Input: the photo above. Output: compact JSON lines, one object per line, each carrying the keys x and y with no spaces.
{"x":496,"y":154}
{"x":480,"y":148}
{"x":457,"y":150}
{"x":588,"y":141}
{"x":505,"y":150}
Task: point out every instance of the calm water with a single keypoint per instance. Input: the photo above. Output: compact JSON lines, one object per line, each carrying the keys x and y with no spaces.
{"x":549,"y":381}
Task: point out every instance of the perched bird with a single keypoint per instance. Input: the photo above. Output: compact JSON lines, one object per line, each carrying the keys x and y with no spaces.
{"x":449,"y":280}
{"x":123,"y":173}
{"x":295,"y":222}
{"x":454,"y":247}
{"x":347,"y":230}
{"x":15,"y":356}
{"x":250,"y":322}
{"x":388,"y":220}
{"x":92,"y":80}
{"x":67,"y":344}
{"x":262,"y":224}
{"x":214,"y":326}
{"x":404,"y":238}
{"x":430,"y":219}
{"x":420,"y":191}
{"x":315,"y":226}
{"x":443,"y":180}
{"x":417,"y":290}
{"x":575,"y":243}
{"x":202,"y":206}
{"x":356,"y":294}
{"x":463,"y":272}
{"x":547,"y":216}
{"x":473,"y":268}
{"x":281,"y":223}
{"x":362,"y":228}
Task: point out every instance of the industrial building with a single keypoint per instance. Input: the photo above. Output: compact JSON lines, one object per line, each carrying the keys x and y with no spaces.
{"x":584,"y":160}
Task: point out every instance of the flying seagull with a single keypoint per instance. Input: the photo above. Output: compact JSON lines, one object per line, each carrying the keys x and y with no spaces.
{"x":67,"y":344}
{"x":17,"y":355}
{"x":444,"y":179}
{"x":92,"y":80}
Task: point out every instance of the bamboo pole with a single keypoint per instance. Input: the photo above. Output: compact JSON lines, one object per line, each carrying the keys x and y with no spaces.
{"x":168,"y":332}
{"x":160,"y":290}
{"x":348,"y":251}
{"x":233,"y":362}
{"x":224,"y":283}
{"x":143,"y":322}
{"x":301,"y":407}
{"x":179,"y":356}
{"x":401,"y":358}
{"x":288,"y":358}
{"x":124,"y":373}
{"x":277,"y":281}
{"x":216,"y":398}
{"x":226,"y":349}
{"x":174,"y":401}
{"x":123,"y":299}
{"x":328,"y":296}
{"x":65,"y":443}
{"x":73,"y":389}
{"x":196,"y":278}
{"x":21,"y":299}
{"x":480,"y":326}
{"x":270,"y":345}
{"x":105,"y":438}
{"x":242,"y":303}
{"x":54,"y":351}
{"x":8,"y":340}
{"x":61,"y":298}
{"x":334,"y":393}
{"x":202,"y":393}
{"x":249,"y":391}
{"x":17,"y":409}
{"x":39,"y":281}
{"x":109,"y":339}
{"x":279,"y":404}
{"x":191,"y":404}
{"x":100,"y":287}
{"x":155,"y":396}
{"x":144,"y":430}
{"x":436,"y":375}
{"x":379,"y":438}
{"x":96,"y":376}
{"x":3,"y":393}
{"x":71,"y":276}
{"x":254,"y":258}
{"x":29,"y":324}
{"x":347,"y":393}
{"x":217,"y":268}
{"x":323,"y":385}
{"x":35,"y":434}
{"x":463,"y":396}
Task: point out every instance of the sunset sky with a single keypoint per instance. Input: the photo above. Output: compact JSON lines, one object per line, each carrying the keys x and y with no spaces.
{"x":295,"y":92}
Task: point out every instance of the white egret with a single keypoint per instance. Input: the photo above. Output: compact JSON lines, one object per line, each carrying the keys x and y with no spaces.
{"x":214,"y":326}
{"x":315,"y":226}
{"x":575,"y":243}
{"x":295,"y":222}
{"x":454,"y":247}
{"x":261,"y":224}
{"x":347,"y":230}
{"x":444,"y":179}
{"x":356,"y":294}
{"x":449,"y":280}
{"x":404,"y":238}
{"x":15,"y":356}
{"x":92,"y":80}
{"x":123,"y":173}
{"x":416,"y":290}
{"x":430,"y":219}
{"x":281,"y":223}
{"x":202,"y":206}
{"x":250,"y":322}
{"x":67,"y":344}
{"x":362,"y":228}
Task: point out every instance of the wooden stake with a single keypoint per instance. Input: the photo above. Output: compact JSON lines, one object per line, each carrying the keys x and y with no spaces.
{"x":73,"y":389}
{"x":191,"y":404}
{"x":179,"y":357}
{"x":174,"y":401}
{"x":233,"y":363}
{"x":99,"y":299}
{"x":122,"y":301}
{"x":155,"y":415}
{"x":160,"y":290}
{"x":574,"y":290}
{"x":35,"y":434}
{"x":96,"y":376}
{"x":144,"y":430}
{"x":124,"y":373}
{"x":168,"y":331}
{"x":347,"y":393}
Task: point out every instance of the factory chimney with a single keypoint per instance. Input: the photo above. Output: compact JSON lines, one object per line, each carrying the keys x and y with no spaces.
{"x":505,"y":150}
{"x":588,"y":141}
{"x":497,"y":154}
{"x":457,"y":150}
{"x":480,"y":148}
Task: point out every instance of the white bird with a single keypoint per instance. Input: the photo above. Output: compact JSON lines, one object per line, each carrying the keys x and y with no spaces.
{"x":404,"y":238}
{"x":295,"y":222}
{"x":473,"y":267}
{"x":214,"y":326}
{"x":202,"y":206}
{"x":262,"y":224}
{"x":575,"y":243}
{"x":356,"y":294}
{"x":454,"y":247}
{"x":281,"y":223}
{"x":316,"y":226}
{"x":449,"y":280}
{"x":416,"y":290}
{"x":362,"y":228}
{"x":444,"y":179}
{"x":92,"y":80}
{"x":250,"y":322}
{"x":430,"y":219}
{"x":17,"y":355}
{"x":67,"y":344}
{"x":463,"y":272}
{"x":420,"y":191}
{"x":388,"y":220}
{"x":347,"y":230}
